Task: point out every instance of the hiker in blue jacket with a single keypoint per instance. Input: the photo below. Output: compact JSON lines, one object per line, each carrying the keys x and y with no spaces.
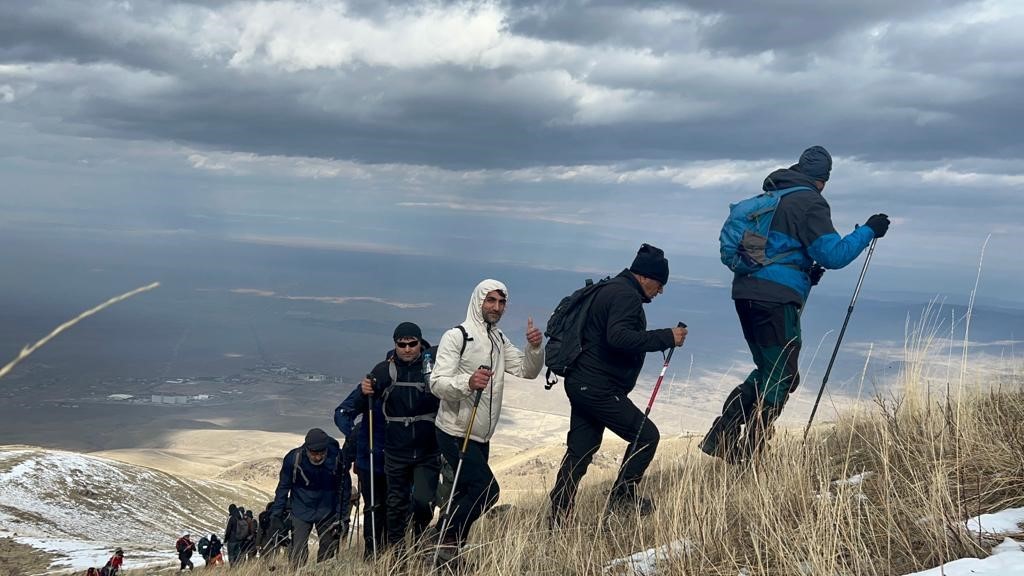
{"x":802,"y":244}
{"x":351,"y":419}
{"x":314,"y":481}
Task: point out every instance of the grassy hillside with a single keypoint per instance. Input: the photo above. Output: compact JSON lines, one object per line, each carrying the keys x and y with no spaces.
{"x":886,"y":490}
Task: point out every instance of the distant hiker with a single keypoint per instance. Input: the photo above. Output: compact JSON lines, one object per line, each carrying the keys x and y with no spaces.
{"x":249,"y":546}
{"x":314,"y":482}
{"x":411,"y":458}
{"x":184,"y":546}
{"x":472,"y":360}
{"x":113,"y":566}
{"x":216,"y":551}
{"x":615,"y":341}
{"x":236,"y":532}
{"x":351,"y":419}
{"x":203,"y":547}
{"x":803,"y":243}
{"x":92,"y":572}
{"x":264,"y":534}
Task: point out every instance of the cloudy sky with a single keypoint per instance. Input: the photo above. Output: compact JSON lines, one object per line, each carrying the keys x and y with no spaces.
{"x":552,"y":134}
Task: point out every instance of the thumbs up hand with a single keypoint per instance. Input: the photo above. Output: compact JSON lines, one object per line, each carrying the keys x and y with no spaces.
{"x":533,"y":335}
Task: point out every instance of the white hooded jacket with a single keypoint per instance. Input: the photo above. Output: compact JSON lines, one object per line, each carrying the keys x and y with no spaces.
{"x":485,"y":346}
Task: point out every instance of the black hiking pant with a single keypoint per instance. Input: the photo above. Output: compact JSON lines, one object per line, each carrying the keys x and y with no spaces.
{"x":772,"y":332}
{"x":592,"y":411}
{"x":186,"y":561}
{"x":326,"y":532}
{"x":371,"y":516}
{"x":411,"y":484}
{"x":236,"y":552}
{"x":475,"y":489}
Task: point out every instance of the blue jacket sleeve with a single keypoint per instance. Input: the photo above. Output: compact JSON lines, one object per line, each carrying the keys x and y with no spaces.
{"x":834,"y":252}
{"x":353,"y":405}
{"x":824,"y":244}
{"x":284,"y":485}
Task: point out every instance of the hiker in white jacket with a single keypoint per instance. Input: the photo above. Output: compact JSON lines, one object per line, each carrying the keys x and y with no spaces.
{"x":457,"y":379}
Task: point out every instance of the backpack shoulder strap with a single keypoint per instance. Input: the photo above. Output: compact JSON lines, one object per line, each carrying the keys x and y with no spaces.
{"x":465,"y":338}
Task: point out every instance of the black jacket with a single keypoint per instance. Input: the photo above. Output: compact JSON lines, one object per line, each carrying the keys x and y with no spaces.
{"x":615,"y":337}
{"x":408,"y":411}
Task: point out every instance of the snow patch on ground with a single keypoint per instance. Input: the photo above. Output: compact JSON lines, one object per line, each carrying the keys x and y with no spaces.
{"x":1007,"y":559}
{"x":646,"y":563}
{"x":1008,"y":521}
{"x":854,"y":480}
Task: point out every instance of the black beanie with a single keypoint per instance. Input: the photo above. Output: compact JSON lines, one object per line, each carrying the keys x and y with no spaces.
{"x":816,"y":162}
{"x":407,"y":330}
{"x":316,"y":439}
{"x":651,"y":262}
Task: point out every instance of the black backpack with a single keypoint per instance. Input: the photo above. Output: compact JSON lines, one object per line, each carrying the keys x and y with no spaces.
{"x":564,"y":331}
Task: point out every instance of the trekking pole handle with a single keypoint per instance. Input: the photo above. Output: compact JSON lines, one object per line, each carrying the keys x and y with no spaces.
{"x":472,"y":416}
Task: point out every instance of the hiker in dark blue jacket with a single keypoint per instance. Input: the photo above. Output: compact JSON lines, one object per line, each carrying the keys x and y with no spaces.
{"x":314,"y":481}
{"x":351,"y":418}
{"x":802,"y":244}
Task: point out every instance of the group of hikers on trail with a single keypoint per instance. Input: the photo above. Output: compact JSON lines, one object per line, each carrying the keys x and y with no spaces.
{"x":429,"y":412}
{"x":245,"y":538}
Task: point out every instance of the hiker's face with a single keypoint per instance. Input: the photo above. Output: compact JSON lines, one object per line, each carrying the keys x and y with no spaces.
{"x":651,"y":287}
{"x":493,"y":307}
{"x":317,"y":457}
{"x":408,"y":349}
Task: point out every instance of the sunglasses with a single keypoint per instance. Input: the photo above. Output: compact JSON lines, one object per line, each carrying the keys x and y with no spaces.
{"x":412,"y":344}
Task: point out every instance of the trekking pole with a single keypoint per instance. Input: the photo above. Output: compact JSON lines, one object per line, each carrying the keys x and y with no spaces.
{"x":355,"y":522}
{"x":835,"y":351}
{"x":446,"y":519}
{"x":647,"y":412}
{"x":373,"y":480}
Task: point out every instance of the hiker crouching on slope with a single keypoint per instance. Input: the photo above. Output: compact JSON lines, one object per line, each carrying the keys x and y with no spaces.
{"x":615,"y":341}
{"x":351,"y":418}
{"x":314,"y":480}
{"x":458,"y":379}
{"x":411,"y":457}
{"x":803,"y":243}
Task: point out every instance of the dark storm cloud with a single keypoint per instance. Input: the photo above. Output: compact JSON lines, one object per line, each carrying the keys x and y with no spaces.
{"x":615,"y":84}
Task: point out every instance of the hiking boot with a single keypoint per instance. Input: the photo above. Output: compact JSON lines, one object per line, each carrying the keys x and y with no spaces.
{"x":625,"y":498}
{"x":450,"y":560}
{"x":558,"y":519}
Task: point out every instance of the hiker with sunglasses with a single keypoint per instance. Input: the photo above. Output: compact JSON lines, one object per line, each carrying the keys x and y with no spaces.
{"x":314,"y":481}
{"x":401,"y":384}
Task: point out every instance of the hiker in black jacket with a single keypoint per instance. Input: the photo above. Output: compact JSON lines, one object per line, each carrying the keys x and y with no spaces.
{"x":615,"y":341}
{"x":411,"y":455}
{"x":236,"y":532}
{"x":314,"y":480}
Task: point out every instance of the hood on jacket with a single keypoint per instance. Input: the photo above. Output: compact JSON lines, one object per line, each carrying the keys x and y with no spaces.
{"x":474,"y":313}
{"x":232,"y":509}
{"x":787,"y":178}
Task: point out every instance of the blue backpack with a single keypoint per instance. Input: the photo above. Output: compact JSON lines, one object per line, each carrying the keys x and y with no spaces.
{"x":744,"y":235}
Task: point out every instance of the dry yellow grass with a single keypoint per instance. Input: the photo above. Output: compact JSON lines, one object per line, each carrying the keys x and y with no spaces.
{"x":929,"y":466}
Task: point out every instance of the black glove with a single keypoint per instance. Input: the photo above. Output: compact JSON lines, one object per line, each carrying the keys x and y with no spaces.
{"x":815,"y":273}
{"x":879,"y":223}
